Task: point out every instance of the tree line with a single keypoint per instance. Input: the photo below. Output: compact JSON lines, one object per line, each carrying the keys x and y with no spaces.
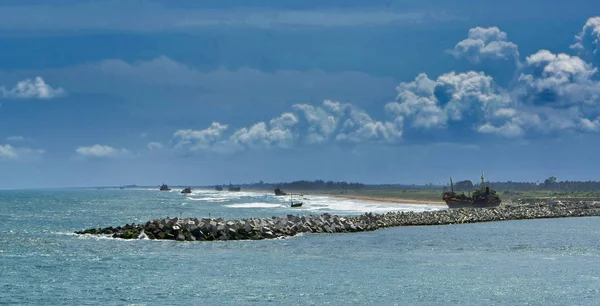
{"x":550,"y":183}
{"x":309,"y":185}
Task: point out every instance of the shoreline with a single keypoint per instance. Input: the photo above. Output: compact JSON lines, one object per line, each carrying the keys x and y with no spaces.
{"x":386,"y":200}
{"x":359,"y":197}
{"x":210,"y":229}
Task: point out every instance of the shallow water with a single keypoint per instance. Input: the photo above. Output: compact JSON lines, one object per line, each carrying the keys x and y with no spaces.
{"x":535,"y":262}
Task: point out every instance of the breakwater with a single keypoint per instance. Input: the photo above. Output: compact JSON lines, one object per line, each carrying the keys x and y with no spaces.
{"x":208,"y":229}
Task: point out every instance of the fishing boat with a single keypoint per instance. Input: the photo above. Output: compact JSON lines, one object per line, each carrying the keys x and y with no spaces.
{"x":187,"y":190}
{"x":164,"y":187}
{"x":294,"y":205}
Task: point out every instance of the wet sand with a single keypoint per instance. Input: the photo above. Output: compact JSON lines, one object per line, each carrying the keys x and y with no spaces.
{"x":387,"y":200}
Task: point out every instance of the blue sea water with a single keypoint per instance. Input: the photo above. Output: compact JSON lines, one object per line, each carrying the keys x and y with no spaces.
{"x":526,"y":262}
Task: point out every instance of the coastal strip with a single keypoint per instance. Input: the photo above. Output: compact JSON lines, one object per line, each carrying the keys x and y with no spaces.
{"x":385,"y":199}
{"x":209,"y":229}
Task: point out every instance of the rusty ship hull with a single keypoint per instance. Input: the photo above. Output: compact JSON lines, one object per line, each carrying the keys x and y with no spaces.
{"x":464,"y":204}
{"x":482,"y":197}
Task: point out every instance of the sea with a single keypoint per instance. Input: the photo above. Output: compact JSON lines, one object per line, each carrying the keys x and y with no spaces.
{"x":42,"y":262}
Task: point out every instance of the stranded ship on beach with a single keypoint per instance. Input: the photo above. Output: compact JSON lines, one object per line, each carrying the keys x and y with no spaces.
{"x":483,"y":196}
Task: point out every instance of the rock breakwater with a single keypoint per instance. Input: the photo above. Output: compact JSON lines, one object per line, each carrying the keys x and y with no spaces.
{"x":208,"y":229}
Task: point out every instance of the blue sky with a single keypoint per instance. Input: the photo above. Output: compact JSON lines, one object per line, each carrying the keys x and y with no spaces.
{"x":206,"y":92}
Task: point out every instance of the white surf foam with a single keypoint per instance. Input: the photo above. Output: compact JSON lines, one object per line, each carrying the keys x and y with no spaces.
{"x":254,"y":205}
{"x":321,"y":203}
{"x":208,"y":199}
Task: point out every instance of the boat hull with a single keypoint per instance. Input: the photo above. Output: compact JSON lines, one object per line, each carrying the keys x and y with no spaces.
{"x":476,"y":204}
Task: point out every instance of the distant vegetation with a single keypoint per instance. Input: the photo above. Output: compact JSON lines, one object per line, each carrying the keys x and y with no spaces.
{"x":549,"y":187}
{"x":307,"y":185}
{"x":549,"y":184}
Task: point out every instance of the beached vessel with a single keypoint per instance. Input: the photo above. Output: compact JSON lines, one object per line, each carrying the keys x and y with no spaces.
{"x":164,"y":187}
{"x":483,"y":196}
{"x":279,"y":192}
{"x":233,"y":188}
{"x":187,"y":190}
{"x":218,"y":188}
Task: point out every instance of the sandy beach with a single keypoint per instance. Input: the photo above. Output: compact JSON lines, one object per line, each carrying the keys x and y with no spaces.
{"x":359,"y":197}
{"x":387,"y":200}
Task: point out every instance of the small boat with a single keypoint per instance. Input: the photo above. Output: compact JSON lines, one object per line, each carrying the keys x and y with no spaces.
{"x":164,"y":187}
{"x":279,"y":192}
{"x":187,"y":190}
{"x":218,"y":188}
{"x":233,"y":188}
{"x":295,"y":205}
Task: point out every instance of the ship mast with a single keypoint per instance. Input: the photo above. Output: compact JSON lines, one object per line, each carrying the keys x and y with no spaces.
{"x":451,"y":185}
{"x":482,"y":179}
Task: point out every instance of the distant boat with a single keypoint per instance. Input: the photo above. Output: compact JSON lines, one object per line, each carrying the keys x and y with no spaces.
{"x":121,"y":187}
{"x":294,"y":205}
{"x":279,"y":192}
{"x":164,"y":187}
{"x":187,"y":190}
{"x":234,"y":188}
{"x":218,"y":188}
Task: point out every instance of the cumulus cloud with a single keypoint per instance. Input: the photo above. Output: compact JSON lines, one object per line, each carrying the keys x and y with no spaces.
{"x":470,"y":96}
{"x":485,"y":43}
{"x":558,"y":79}
{"x":200,"y":139}
{"x":321,"y":124}
{"x":330,"y":122}
{"x":551,"y":93}
{"x":588,"y":40}
{"x":32,"y":89}
{"x":100,"y":151}
{"x":360,"y":127}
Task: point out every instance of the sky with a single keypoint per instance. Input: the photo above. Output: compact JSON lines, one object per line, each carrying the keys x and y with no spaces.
{"x":107,"y":93}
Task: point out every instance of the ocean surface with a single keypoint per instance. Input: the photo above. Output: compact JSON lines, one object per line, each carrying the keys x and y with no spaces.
{"x":526,"y":262}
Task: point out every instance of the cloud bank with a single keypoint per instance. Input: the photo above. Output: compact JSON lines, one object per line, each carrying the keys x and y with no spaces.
{"x":153,"y":16}
{"x":551,"y":94}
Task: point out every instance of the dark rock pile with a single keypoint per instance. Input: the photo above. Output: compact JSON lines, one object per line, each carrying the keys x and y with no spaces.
{"x":205,"y":229}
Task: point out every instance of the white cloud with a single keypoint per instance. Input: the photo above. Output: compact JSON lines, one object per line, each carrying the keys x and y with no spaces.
{"x":558,"y":79}
{"x":360,"y":127}
{"x":9,"y":152}
{"x":260,"y":136}
{"x":551,"y":93}
{"x":588,"y":40}
{"x":200,"y":139}
{"x":453,"y":96}
{"x":100,"y":151}
{"x":321,"y":124}
{"x":486,"y":43}
{"x":32,"y":89}
{"x":154,"y":146}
